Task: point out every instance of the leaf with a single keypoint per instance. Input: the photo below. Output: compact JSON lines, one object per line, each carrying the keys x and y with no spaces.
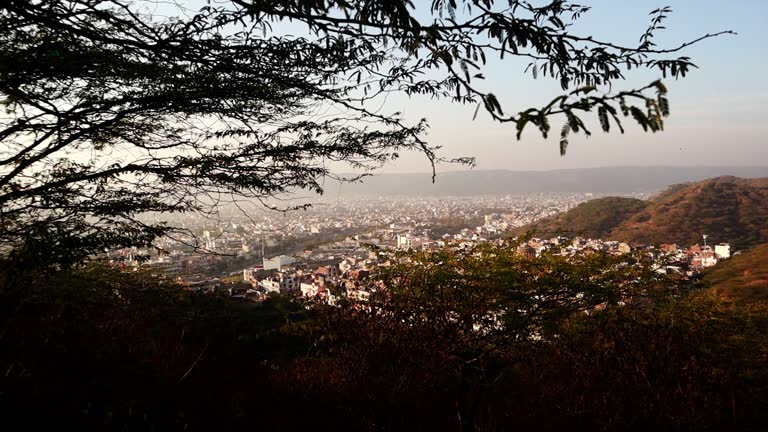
{"x":465,"y":69}
{"x":602,"y":114}
{"x":521,"y":122}
{"x":664,"y":105}
{"x":623,"y":106}
{"x":491,"y":101}
{"x":573,"y":121}
{"x":564,"y":138}
{"x":446,"y":57}
{"x":639,"y":116}
{"x":654,"y":115}
{"x":543,"y":123}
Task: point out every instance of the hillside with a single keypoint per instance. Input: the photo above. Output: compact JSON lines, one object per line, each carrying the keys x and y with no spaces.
{"x":592,"y":219}
{"x":743,"y":277}
{"x":728,"y":209}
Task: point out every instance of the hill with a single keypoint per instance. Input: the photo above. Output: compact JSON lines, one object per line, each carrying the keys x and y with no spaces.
{"x":593,"y":219}
{"x":743,"y":277}
{"x":728,"y":209}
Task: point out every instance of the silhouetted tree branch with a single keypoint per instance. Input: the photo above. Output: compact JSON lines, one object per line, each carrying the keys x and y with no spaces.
{"x":113,"y":108}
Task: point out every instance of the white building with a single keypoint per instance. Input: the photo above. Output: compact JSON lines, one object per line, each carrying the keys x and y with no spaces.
{"x":248,"y":273}
{"x":278,"y":262}
{"x":403,"y":241}
{"x":281,"y":284}
{"x":270,"y":285}
{"x":310,"y":289}
{"x":723,"y":250}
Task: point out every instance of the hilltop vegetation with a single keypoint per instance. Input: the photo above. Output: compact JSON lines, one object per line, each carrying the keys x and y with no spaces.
{"x":728,"y":209}
{"x":593,"y":219}
{"x":743,"y":277}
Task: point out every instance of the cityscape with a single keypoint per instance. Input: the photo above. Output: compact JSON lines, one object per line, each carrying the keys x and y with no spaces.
{"x":337,"y":246}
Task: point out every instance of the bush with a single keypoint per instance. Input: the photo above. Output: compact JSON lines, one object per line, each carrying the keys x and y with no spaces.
{"x":96,"y":348}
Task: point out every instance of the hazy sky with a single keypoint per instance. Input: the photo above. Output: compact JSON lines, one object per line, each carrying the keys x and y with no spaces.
{"x":718,"y":112}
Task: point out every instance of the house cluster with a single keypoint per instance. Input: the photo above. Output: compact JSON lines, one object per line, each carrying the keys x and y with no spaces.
{"x":571,"y":246}
{"x":672,"y":257}
{"x":336,"y":276}
{"x":697,"y":257}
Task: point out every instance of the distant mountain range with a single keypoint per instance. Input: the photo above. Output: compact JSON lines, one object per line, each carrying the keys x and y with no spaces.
{"x":728,"y":209}
{"x":502,"y":182}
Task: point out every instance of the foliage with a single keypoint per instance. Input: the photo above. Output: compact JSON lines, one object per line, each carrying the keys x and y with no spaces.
{"x":102,"y":349}
{"x":728,"y":209}
{"x":497,"y":292}
{"x":592,"y":219}
{"x":109,"y":350}
{"x":695,"y":364}
{"x":117,"y":108}
{"x":499,"y":342}
{"x":743,"y":277}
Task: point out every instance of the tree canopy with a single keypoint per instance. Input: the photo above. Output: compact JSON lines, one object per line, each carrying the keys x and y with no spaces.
{"x":113,"y":108}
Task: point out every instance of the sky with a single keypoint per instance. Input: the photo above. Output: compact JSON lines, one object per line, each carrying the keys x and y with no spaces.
{"x":718,"y":112}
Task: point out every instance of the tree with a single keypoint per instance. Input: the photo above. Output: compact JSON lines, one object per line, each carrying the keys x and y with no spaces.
{"x":460,"y":322}
{"x":114,"y":108}
{"x":498,"y":295}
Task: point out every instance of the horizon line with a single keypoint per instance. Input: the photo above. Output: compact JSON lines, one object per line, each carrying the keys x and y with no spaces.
{"x":438,"y":173}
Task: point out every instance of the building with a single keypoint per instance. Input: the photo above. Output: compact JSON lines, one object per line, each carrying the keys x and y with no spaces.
{"x":723,"y":250}
{"x":527,"y":251}
{"x":280,"y":283}
{"x":270,"y":285}
{"x":278,"y":262}
{"x":623,"y":248}
{"x":250,"y":273}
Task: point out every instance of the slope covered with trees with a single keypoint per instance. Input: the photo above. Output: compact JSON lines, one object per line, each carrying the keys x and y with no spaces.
{"x":743,"y":277}
{"x":594,"y":219}
{"x":728,"y":209}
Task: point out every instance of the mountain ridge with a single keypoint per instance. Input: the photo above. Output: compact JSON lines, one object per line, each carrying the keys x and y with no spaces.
{"x":727,"y":208}
{"x":502,"y":182}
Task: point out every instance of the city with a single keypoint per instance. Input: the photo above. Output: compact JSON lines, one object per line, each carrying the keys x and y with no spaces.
{"x":334,"y":247}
